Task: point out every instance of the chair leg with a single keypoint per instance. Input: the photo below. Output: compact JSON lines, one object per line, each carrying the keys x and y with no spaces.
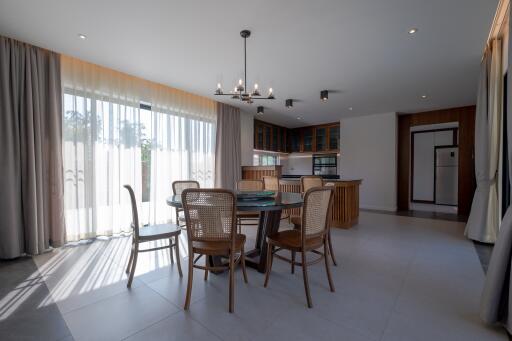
{"x":190,"y":278}
{"x":134,"y":265}
{"x":177,"y":250}
{"x":231,"y":282}
{"x":242,"y":261}
{"x":293,"y":261}
{"x":305,"y":277}
{"x":331,"y":251}
{"x":327,"y":269}
{"x":205,"y":265}
{"x":170,"y":251}
{"x":270,"y":256}
{"x":130,"y":260}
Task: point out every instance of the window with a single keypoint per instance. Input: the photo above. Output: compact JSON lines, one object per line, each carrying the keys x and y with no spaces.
{"x":109,"y":143}
{"x":265,"y":160}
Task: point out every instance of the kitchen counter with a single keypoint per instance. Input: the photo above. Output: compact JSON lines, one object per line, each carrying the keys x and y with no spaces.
{"x":345,"y":208}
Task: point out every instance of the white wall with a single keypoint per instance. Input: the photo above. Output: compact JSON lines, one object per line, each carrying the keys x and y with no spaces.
{"x":369,"y":152}
{"x":246,"y":137}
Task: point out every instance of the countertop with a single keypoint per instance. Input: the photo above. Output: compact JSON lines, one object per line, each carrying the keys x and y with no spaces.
{"x":326,"y":180}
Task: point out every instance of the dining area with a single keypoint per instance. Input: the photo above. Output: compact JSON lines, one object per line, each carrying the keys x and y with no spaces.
{"x":214,"y":220}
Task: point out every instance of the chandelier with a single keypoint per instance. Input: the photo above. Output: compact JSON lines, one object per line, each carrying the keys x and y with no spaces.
{"x":240,"y":92}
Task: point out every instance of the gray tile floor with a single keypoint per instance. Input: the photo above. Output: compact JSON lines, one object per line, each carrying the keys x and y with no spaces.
{"x":399,"y":278}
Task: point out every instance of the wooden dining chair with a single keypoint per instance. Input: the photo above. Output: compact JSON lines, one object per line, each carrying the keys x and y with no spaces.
{"x":211,"y":231}
{"x":271,"y":183}
{"x":248,"y":218}
{"x":150,"y":233}
{"x":307,"y":182}
{"x":177,"y":188}
{"x":312,"y":236}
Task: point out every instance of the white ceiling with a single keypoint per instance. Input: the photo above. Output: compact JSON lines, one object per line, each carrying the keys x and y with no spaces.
{"x":360,"y":48}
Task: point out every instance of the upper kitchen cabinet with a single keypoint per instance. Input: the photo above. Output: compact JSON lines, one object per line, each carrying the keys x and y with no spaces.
{"x":295,"y":140}
{"x":311,"y":139}
{"x":308,"y":135}
{"x":321,"y":139}
{"x":269,"y":137}
{"x":334,"y":137}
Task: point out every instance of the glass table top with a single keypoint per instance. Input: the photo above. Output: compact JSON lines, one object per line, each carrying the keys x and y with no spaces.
{"x":278,"y":201}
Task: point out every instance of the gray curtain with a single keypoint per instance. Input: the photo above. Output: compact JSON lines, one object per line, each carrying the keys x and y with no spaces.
{"x":495,"y":305}
{"x":31,"y":181}
{"x":476,"y":227}
{"x":228,"y":165}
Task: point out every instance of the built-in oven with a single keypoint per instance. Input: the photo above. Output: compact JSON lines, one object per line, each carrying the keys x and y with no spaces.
{"x":325,"y":164}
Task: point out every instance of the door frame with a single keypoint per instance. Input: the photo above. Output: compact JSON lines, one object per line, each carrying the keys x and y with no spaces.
{"x":455,"y":132}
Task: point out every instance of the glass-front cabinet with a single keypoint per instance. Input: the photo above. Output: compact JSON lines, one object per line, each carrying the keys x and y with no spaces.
{"x":307,"y":139}
{"x":321,"y":139}
{"x":295,"y":141}
{"x":334,"y":137}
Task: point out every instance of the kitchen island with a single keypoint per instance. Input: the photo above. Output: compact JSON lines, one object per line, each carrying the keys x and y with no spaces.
{"x":345,"y":208}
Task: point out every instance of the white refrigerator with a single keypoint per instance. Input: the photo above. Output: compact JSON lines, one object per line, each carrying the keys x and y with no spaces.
{"x":446,"y":175}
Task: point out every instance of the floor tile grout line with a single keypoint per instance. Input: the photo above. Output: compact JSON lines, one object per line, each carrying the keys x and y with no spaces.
{"x":151,"y":324}
{"x":402,"y":285}
{"x":203,"y":325}
{"x":104,"y":298}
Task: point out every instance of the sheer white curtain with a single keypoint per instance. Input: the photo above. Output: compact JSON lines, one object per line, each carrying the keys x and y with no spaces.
{"x":483,"y":222}
{"x":118,"y":130}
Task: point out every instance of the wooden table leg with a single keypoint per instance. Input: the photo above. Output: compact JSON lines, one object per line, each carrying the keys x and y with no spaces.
{"x":268,"y":224}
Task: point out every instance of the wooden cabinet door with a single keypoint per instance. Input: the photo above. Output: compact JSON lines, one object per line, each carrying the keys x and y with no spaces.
{"x":334,"y":137}
{"x":275,"y":139}
{"x":321,"y":139}
{"x":258,"y":136}
{"x":308,"y":139}
{"x":267,"y":133}
{"x":295,"y":141}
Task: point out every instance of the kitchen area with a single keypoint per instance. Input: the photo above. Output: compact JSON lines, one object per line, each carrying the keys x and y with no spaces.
{"x":290,"y":153}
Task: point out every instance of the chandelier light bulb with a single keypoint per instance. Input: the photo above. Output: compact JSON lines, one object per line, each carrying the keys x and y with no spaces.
{"x":219,"y":86}
{"x":240,"y":81}
{"x":256,"y":86}
{"x":270,"y":90}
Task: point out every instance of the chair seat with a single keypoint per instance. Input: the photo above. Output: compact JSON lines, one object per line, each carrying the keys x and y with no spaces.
{"x":160,"y":231}
{"x":291,"y":240}
{"x":218,"y":247}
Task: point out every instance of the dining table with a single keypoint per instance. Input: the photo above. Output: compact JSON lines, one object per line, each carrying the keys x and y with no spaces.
{"x":270,"y":209}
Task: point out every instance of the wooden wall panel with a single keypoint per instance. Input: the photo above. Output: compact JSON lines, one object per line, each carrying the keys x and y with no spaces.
{"x":465,"y":116}
{"x":404,"y":150}
{"x":258,"y":172}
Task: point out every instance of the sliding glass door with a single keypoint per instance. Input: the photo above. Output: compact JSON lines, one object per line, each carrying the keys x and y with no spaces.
{"x":109,"y":143}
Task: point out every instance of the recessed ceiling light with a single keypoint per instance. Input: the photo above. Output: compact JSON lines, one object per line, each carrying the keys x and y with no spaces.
{"x":413,"y":30}
{"x":423,"y":96}
{"x":299,"y":118}
{"x":82,"y":36}
{"x":350,"y":108}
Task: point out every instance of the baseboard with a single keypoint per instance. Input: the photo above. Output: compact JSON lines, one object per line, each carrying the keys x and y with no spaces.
{"x":378,"y":208}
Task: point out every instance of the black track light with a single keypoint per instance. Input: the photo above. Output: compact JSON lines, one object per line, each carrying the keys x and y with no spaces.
{"x":324,"y":95}
{"x":260,"y":110}
{"x":289,"y":103}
